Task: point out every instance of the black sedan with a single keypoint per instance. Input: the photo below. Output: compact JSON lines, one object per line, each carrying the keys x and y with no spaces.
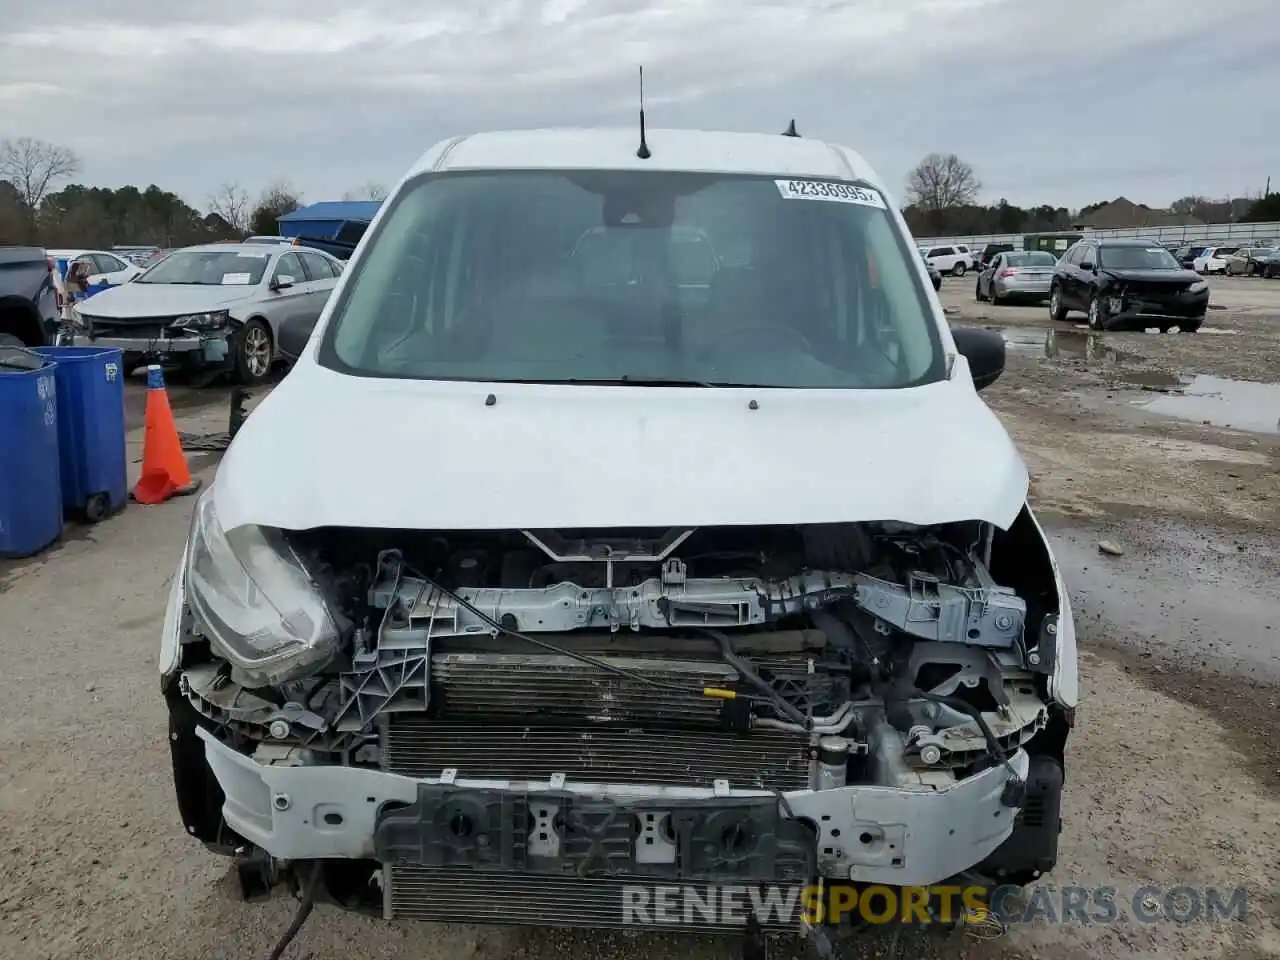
{"x":1127,"y":284}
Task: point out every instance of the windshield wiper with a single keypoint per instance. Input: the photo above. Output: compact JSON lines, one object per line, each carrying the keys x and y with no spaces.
{"x":631,"y":380}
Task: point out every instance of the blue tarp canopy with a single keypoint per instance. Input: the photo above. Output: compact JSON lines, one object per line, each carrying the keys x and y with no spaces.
{"x":325,"y":219}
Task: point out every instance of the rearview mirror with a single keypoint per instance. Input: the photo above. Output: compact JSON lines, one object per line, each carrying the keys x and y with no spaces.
{"x":985,"y":351}
{"x":292,"y":337}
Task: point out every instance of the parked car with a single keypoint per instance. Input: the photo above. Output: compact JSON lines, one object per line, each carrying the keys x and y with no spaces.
{"x":989,"y":253}
{"x":953,"y":259}
{"x":934,"y":276}
{"x":1212,"y":259}
{"x":1016,"y":275}
{"x":1187,"y":253}
{"x":1127,"y":284}
{"x":212,"y":305}
{"x":489,"y":663}
{"x":28,"y":301}
{"x":105,"y":269}
{"x":1251,"y":261}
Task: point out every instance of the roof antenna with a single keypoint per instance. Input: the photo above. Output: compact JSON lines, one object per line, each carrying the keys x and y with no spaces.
{"x":643,"y":152}
{"x":791,"y":130}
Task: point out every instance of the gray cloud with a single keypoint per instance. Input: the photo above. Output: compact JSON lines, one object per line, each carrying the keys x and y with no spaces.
{"x":1064,"y":103}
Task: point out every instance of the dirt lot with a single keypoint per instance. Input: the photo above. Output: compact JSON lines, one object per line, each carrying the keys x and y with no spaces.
{"x":1173,"y":778}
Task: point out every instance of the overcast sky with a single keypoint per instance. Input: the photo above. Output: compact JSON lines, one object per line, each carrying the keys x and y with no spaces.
{"x":1060,"y":102}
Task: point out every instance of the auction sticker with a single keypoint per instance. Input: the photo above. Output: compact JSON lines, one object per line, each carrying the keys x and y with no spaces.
{"x":827,"y":190}
{"x":235,"y":279}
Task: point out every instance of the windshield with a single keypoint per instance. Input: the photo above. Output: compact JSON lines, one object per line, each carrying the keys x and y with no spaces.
{"x":208,"y":268}
{"x":1032,"y":258}
{"x":619,"y":276}
{"x":1137,"y":258}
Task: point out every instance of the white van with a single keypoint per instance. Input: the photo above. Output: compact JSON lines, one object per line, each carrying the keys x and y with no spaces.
{"x":641,"y":529}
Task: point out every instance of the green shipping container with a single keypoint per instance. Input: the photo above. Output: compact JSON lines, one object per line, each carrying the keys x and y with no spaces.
{"x":1055,"y":243}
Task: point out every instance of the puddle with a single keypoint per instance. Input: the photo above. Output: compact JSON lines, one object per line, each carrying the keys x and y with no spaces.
{"x":1089,"y":346}
{"x":1079,"y":344}
{"x":1235,"y":404}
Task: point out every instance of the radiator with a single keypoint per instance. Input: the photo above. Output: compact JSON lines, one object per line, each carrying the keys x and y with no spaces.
{"x":505,"y":685}
{"x":465,"y":896}
{"x":414,"y":746}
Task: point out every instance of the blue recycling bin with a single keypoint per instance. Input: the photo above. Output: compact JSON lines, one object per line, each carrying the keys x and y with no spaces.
{"x":94,"y":464}
{"x":30,"y":482}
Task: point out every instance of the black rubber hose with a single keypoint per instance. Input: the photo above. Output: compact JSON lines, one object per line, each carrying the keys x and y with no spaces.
{"x":748,"y":673}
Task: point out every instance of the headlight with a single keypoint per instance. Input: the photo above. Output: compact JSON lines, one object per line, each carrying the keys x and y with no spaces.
{"x":256,"y":602}
{"x":1198,"y":287}
{"x":202,"y":321}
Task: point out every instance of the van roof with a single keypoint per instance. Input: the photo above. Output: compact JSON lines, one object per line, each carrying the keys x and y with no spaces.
{"x":614,"y":148}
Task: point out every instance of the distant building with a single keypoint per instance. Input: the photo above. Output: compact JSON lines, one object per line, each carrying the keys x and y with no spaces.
{"x":1121,"y":213}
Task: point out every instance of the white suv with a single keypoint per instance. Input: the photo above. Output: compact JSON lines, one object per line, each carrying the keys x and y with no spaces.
{"x":618,"y":570}
{"x":954,"y":259}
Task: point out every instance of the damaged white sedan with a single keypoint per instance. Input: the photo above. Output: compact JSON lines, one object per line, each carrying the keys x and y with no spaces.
{"x":630,"y":518}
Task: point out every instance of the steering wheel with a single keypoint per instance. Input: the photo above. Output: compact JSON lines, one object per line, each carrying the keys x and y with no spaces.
{"x":768,"y":331}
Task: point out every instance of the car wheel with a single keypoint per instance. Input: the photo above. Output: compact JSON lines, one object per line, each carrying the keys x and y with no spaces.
{"x":254,"y":353}
{"x":1097,"y":313}
{"x":958,"y":270}
{"x":1192,"y":325}
{"x":1057,"y":312}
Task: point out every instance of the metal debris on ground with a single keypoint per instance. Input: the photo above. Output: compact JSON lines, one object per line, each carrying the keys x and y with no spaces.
{"x":219,"y":441}
{"x":982,"y":924}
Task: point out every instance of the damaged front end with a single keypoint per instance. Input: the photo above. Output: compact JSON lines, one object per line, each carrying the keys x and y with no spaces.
{"x":514,"y":726}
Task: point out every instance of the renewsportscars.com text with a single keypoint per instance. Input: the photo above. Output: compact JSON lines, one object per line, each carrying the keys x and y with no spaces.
{"x":732,"y":904}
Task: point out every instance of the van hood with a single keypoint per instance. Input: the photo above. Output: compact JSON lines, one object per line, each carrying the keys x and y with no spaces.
{"x":326,"y":449}
{"x":135,"y":299}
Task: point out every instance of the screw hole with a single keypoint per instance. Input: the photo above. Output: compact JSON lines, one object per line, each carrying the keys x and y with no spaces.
{"x":333,"y":819}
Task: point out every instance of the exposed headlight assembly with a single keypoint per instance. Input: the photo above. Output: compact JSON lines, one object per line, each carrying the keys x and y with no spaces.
{"x":1198,"y":287}
{"x":202,"y":321}
{"x":256,"y":602}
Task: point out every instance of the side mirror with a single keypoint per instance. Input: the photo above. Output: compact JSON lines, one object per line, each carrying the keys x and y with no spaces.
{"x":293,"y":334}
{"x":985,"y":351}
{"x":282,"y":282}
{"x":1087,"y":266}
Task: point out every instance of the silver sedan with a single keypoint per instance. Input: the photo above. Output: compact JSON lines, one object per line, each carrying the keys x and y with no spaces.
{"x":1016,"y":275}
{"x":217,"y":305}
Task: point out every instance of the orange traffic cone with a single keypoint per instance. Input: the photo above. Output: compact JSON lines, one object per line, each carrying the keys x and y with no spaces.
{"x":164,"y":466}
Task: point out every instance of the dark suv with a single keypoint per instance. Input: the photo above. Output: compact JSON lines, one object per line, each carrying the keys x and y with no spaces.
{"x":1127,"y":284}
{"x":991,"y":251}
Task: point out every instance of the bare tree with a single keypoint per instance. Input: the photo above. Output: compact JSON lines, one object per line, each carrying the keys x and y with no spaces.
{"x":32,"y":166}
{"x":232,"y":204}
{"x":941,"y":181}
{"x":1189,"y":205}
{"x":370,"y":191}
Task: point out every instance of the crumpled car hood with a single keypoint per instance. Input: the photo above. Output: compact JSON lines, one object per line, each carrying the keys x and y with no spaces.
{"x":325,"y":449}
{"x":163,"y":299}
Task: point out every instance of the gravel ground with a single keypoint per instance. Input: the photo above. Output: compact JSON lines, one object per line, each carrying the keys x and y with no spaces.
{"x":1173,"y":777}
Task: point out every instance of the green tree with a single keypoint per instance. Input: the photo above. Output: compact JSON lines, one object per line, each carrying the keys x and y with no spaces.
{"x":1266,"y":210}
{"x":277,"y":200}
